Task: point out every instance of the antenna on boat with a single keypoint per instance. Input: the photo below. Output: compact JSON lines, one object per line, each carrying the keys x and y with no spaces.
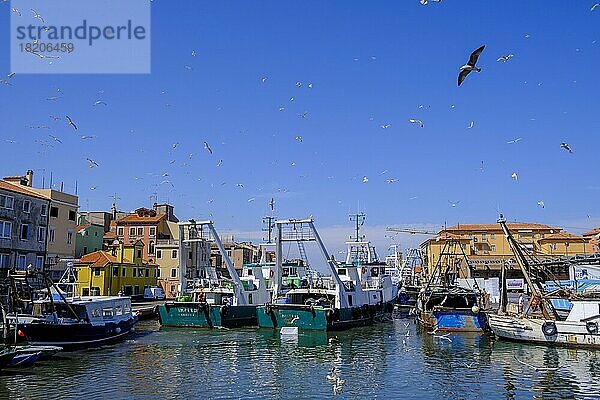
{"x":269,"y":224}
{"x":359,"y":220}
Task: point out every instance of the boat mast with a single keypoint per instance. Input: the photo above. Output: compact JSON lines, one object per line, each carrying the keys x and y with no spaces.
{"x":524,"y":265}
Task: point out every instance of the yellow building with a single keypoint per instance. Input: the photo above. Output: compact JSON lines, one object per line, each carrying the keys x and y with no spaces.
{"x":118,"y":271}
{"x":486,"y":248}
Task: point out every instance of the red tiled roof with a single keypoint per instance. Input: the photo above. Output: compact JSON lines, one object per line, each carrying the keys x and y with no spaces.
{"x":562,"y":236}
{"x":134,"y":218}
{"x":593,"y":232}
{"x":496,"y":227}
{"x":19,"y":189}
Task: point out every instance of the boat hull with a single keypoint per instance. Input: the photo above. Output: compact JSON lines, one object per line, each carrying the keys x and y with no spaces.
{"x":454,"y":321}
{"x":76,"y":335}
{"x":568,"y":333}
{"x":191,"y":314}
{"x":276,"y":316}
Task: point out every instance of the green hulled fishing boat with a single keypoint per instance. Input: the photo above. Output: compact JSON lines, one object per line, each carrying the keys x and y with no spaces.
{"x":341,"y":301}
{"x":214,"y":302}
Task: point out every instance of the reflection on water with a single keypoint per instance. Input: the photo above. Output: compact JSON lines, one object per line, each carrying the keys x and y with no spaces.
{"x":384,"y":361}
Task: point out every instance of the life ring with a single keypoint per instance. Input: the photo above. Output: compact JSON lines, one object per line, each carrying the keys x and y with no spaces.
{"x":592,"y":327}
{"x":549,"y":328}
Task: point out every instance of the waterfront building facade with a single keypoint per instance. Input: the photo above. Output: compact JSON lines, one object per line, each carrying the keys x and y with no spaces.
{"x":486,"y":248}
{"x":121,"y":270}
{"x":147,"y":225}
{"x":197,"y":258}
{"x":89,"y":239}
{"x":23,"y":224}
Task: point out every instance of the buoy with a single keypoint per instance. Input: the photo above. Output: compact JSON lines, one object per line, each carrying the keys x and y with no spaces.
{"x":289,"y":331}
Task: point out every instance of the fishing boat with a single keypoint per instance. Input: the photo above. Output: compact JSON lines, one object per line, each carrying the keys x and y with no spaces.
{"x":82,"y":322}
{"x":325,"y":303}
{"x":44,"y":316}
{"x":408,"y":278}
{"x":540,"y":322}
{"x":442,"y":304}
{"x":213,"y":301}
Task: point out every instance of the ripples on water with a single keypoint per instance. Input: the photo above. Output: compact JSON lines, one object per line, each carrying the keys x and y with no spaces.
{"x":376,"y":362}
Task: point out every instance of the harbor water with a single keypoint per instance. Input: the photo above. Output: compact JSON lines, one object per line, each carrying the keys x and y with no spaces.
{"x":385,"y":361}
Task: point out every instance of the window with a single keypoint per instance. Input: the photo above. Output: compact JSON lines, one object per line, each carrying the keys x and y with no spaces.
{"x":136,"y":289}
{"x":26,"y":206}
{"x":483,"y":236}
{"x":173,"y":272}
{"x":493,"y":247}
{"x":69,"y":237}
{"x":173,"y":253}
{"x":5,"y":228}
{"x":124,"y":271}
{"x":140,"y":231}
{"x":96,"y":271}
{"x":139,"y":253}
{"x":115,"y":271}
{"x":152,"y":231}
{"x":4,"y":261}
{"x":24,"y":232}
{"x":44,"y":210}
{"x":120,"y":231}
{"x":54,"y":212}
{"x":158,"y":273}
{"x":41,"y":234}
{"x":85,"y":292}
{"x":72,"y":215}
{"x":118,"y":310}
{"x":158,"y":253}
{"x":6,"y":202}
{"x":107,"y":313}
{"x":135,"y":272}
{"x":84,"y":249}
{"x":190,"y":255}
{"x":51,"y":234}
{"x":21,"y":261}
{"x":131,"y":231}
{"x":492,"y":236}
{"x":151,"y":247}
{"x":147,"y":272}
{"x":39,"y":262}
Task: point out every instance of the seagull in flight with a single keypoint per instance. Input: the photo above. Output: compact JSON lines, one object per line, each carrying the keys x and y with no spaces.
{"x":453,"y":204}
{"x":514,"y":141}
{"x":19,"y":12}
{"x":92,"y":163}
{"x":87,"y":137}
{"x":471,"y":125}
{"x":175,"y":145}
{"x":70,"y":121}
{"x":416,"y":121}
{"x":515,"y":176}
{"x":470,"y":65}
{"x":566,"y":146}
{"x":100,"y":102}
{"x":272,"y":204}
{"x":541,"y":204}
{"x":38,"y":16}
{"x":207,"y":147}
{"x":220,"y":163}
{"x":505,"y":58}
{"x":299,"y":138}
{"x":365,"y":179}
{"x":592,"y":9}
{"x":55,"y":139}
{"x":385,"y":126}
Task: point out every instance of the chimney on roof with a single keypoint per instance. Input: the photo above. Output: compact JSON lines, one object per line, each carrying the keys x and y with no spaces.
{"x":29,"y":177}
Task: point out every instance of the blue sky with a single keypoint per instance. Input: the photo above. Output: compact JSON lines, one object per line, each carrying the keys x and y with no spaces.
{"x":370,"y":64}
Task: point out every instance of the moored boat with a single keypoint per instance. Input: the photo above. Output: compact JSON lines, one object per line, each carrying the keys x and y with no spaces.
{"x":326,"y":303}
{"x":540,"y":322}
{"x":214,"y":301}
{"x":81,"y":322}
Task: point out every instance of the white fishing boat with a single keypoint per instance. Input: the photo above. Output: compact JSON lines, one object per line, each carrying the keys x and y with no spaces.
{"x":540,"y":322}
